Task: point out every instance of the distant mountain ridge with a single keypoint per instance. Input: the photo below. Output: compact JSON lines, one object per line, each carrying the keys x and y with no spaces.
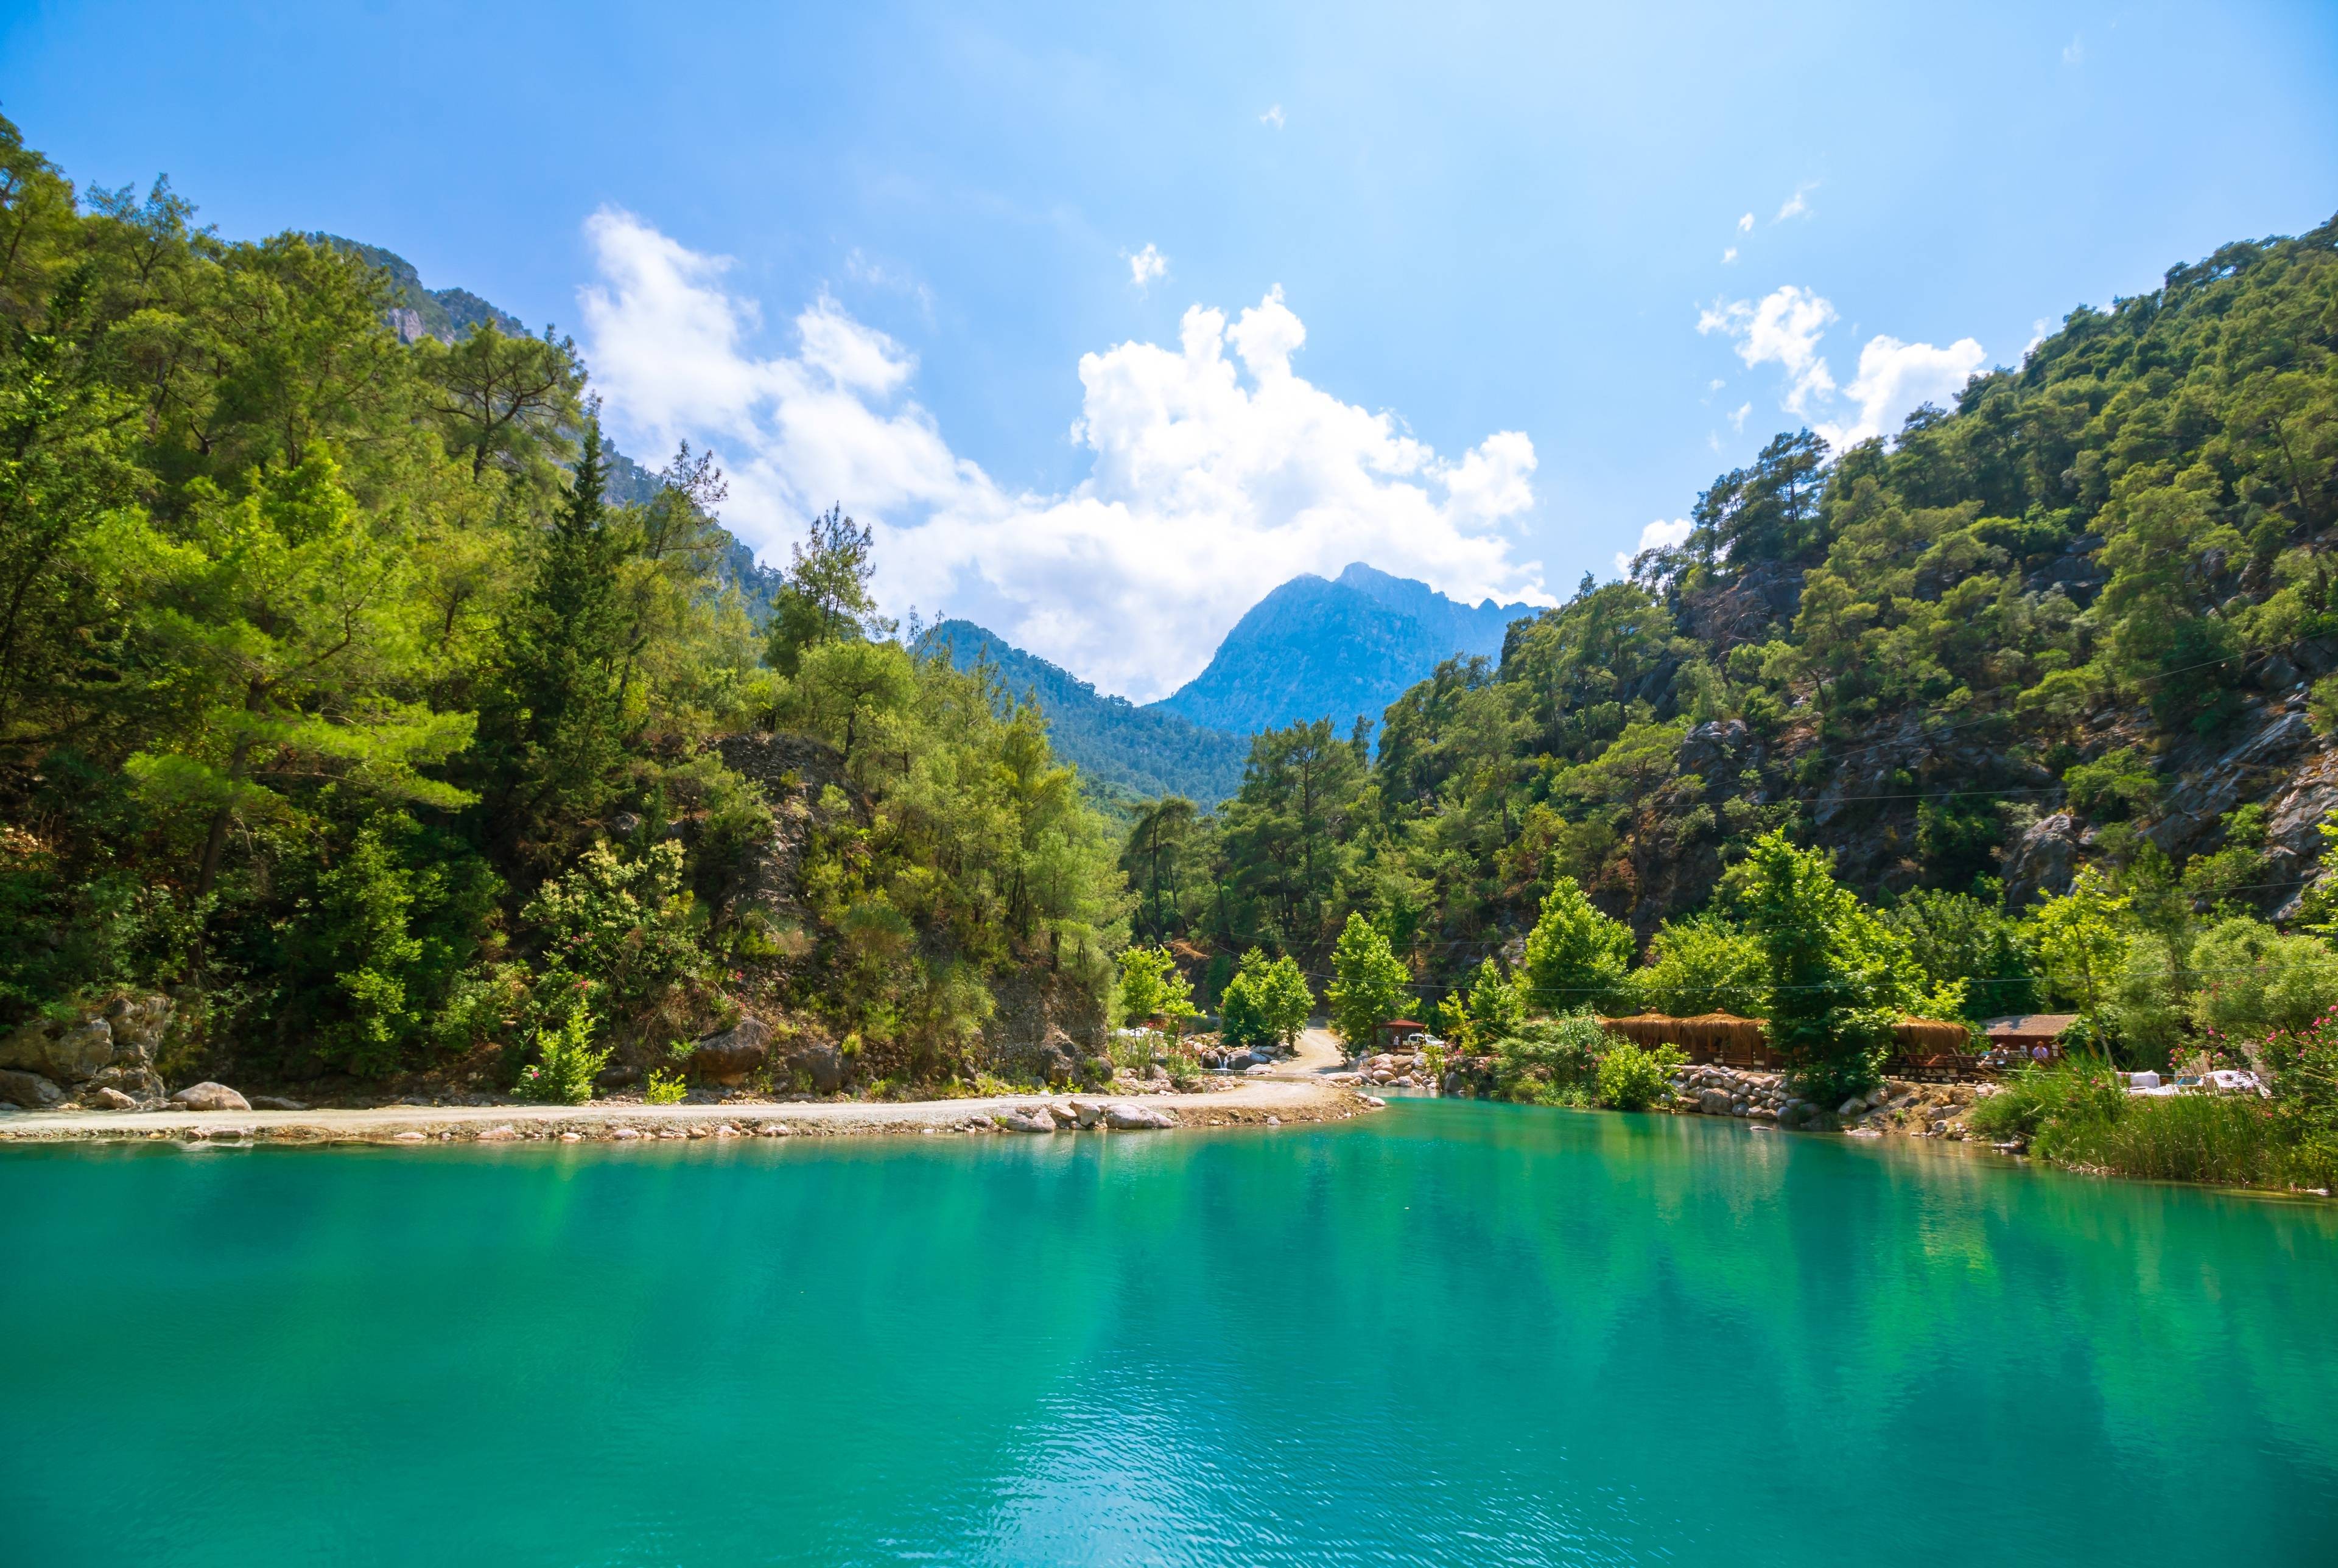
{"x":1143,"y":752}
{"x":445,"y":314}
{"x":1336,"y":648}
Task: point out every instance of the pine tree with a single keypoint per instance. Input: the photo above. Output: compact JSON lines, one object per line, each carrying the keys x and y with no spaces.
{"x":553,"y":730}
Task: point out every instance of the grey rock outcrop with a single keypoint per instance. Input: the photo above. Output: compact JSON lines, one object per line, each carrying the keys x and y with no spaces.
{"x":32,"y":1091}
{"x":114,"y":1045}
{"x":69,"y":1052}
{"x":2043,"y":860}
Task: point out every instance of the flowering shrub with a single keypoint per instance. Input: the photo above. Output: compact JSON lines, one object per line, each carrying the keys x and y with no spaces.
{"x":567,"y":1064}
{"x":630,"y":925}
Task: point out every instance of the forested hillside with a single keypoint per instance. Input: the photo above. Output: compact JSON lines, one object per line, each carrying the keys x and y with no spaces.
{"x":1130,"y":753}
{"x":2082,"y":619}
{"x":349,"y":704}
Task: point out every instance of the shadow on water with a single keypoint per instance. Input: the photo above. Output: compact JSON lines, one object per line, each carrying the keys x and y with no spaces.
{"x":1452,"y":1332}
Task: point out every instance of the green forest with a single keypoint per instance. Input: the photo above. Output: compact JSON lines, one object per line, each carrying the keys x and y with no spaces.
{"x":354,"y":695}
{"x":2073,"y":635}
{"x":343,"y":702}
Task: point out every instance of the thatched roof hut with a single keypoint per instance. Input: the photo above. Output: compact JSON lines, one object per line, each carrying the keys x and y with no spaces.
{"x":1931,"y":1034}
{"x":1704,"y":1032}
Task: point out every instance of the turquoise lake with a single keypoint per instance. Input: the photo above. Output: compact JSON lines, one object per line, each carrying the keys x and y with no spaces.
{"x":1453,"y":1333}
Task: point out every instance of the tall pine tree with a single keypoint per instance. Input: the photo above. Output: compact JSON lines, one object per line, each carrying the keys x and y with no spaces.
{"x":553,"y":731}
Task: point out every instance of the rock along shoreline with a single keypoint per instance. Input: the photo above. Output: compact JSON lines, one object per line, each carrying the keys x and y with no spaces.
{"x":1256,"y":1102}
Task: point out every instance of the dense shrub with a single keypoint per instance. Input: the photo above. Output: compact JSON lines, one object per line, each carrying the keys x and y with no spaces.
{"x":1632,"y":1078}
{"x":565,"y":1064}
{"x":1549,"y":1060}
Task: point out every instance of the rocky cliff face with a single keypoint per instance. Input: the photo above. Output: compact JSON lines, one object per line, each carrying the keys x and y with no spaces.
{"x":109,"y":1048}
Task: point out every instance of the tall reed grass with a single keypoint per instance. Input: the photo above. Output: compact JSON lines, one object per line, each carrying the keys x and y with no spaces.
{"x":2074,"y":1114}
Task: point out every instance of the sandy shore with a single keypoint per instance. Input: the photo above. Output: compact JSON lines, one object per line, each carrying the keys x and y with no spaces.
{"x":1295,"y":1094}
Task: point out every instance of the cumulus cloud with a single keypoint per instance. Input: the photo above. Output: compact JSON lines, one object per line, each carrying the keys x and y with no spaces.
{"x":1146,"y":267}
{"x":1896,"y":377}
{"x":1745,"y":224}
{"x":1737,"y":420}
{"x":1798,"y":204}
{"x":1785,"y":326}
{"x":1217,"y":470}
{"x":1783,"y":329}
{"x":2075,"y":51}
{"x":1657,"y":536}
{"x":1729,"y":256}
{"x":1273,"y":117}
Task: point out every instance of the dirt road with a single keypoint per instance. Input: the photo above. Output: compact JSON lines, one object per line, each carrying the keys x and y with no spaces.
{"x":1292,"y":1097}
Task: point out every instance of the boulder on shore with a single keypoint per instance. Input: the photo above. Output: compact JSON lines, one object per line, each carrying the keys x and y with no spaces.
{"x":728,"y":1057}
{"x":30,"y":1090}
{"x":210,"y":1096}
{"x":822,"y":1063}
{"x":104,"y":1098}
{"x":1122,"y":1117}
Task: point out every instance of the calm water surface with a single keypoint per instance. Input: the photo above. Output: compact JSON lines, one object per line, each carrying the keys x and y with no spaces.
{"x":1455,"y":1333}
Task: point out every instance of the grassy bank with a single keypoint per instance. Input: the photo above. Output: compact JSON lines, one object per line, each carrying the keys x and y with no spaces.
{"x":2075,"y":1115}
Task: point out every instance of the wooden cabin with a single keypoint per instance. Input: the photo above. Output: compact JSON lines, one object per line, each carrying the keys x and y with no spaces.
{"x":2020,"y":1033}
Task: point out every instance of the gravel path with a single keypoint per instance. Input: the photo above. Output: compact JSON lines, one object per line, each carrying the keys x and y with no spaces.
{"x":1289,"y":1098}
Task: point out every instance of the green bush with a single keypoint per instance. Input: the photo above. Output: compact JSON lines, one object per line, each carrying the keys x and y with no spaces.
{"x":665,"y":1088}
{"x":1549,"y":1060}
{"x":566,"y":1066}
{"x":628,"y":927}
{"x":1632,"y":1078}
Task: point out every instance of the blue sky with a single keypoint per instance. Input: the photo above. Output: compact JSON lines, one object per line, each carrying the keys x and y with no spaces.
{"x":1532,"y":262}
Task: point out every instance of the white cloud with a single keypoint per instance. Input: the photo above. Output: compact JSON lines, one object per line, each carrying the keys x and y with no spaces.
{"x":1146,"y":267}
{"x":1797,"y":205}
{"x":1745,"y":224}
{"x":1658,"y":534}
{"x":1217,"y":470}
{"x":1274,"y":116}
{"x":2075,"y":51}
{"x":1785,"y":328}
{"x":1895,"y":378}
{"x":1729,"y":256}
